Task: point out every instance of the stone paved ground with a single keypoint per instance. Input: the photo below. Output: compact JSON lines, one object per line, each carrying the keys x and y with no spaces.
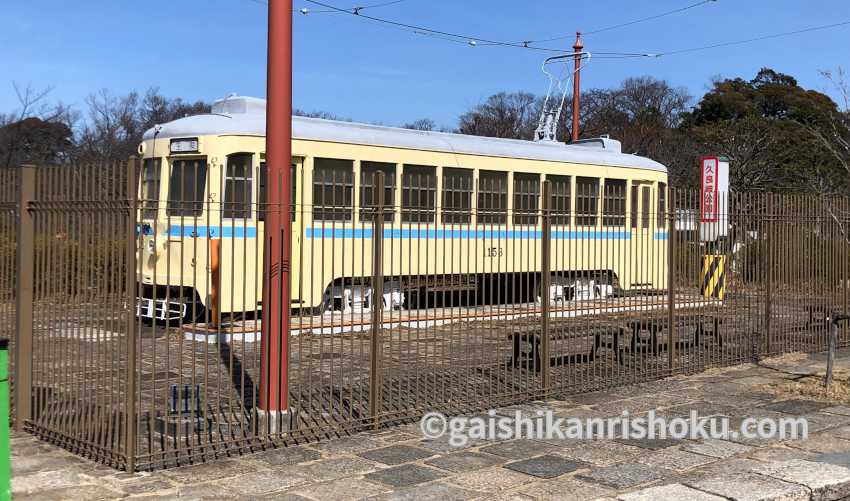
{"x":399,"y":464}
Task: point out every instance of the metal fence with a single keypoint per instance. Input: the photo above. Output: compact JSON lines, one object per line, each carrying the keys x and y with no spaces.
{"x":507,"y":303}
{"x":73,"y":324}
{"x":9,"y":187}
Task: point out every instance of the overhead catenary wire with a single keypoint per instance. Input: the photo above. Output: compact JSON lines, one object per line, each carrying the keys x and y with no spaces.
{"x":467,"y":39}
{"x":472,"y":40}
{"x":755,"y":39}
{"x":624,"y":24}
{"x":422,"y":30}
{"x":732,"y":43}
{"x":353,"y":10}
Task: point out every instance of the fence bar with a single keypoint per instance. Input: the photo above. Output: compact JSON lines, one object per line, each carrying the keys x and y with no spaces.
{"x":24,"y":307}
{"x":130,"y":289}
{"x":377,"y":299}
{"x":671,"y":288}
{"x":545,"y":283}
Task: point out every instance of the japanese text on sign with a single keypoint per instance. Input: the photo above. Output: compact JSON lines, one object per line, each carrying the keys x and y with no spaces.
{"x":709,"y":200}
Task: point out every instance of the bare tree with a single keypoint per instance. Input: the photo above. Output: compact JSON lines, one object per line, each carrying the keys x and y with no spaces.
{"x":680,"y":153}
{"x":425,"y":124}
{"x":749,"y":144}
{"x":115,"y":124}
{"x":324,"y":115}
{"x":835,"y":137}
{"x":637,"y":113}
{"x":155,"y":108}
{"x":36,"y":132}
{"x":111,"y":131}
{"x":506,"y":115}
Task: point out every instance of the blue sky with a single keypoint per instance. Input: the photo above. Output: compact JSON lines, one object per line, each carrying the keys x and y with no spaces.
{"x":205,"y":49}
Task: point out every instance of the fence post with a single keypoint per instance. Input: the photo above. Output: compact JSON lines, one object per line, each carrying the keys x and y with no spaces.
{"x":845,"y":279}
{"x":545,"y":284}
{"x":671,"y":282}
{"x":834,"y":319}
{"x":768,"y":270}
{"x":377,"y":298}
{"x":130,"y":288}
{"x":5,"y":453}
{"x":830,"y":353}
{"x":24,"y":306}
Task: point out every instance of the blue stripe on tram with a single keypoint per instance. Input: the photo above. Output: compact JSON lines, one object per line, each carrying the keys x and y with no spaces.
{"x":189,"y":231}
{"x":451,"y":234}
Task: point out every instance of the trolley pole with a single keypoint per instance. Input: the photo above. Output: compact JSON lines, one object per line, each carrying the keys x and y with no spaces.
{"x":578,"y":47}
{"x":277,"y":245}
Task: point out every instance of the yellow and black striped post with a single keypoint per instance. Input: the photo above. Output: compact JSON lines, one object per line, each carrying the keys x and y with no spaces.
{"x":714,"y":276}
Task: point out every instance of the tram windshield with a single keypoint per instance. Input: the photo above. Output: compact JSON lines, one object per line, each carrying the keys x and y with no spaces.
{"x":186,"y":187}
{"x":149,"y":197}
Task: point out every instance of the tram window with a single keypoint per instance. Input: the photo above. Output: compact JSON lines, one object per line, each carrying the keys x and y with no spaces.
{"x":457,"y":195}
{"x":634,"y":206}
{"x":587,"y":201}
{"x":333,"y":189}
{"x":614,"y":203}
{"x":418,"y":193}
{"x":492,"y":197}
{"x":526,"y":197}
{"x":237,"y":186}
{"x":151,"y":174}
{"x":368,"y":171}
{"x":646,"y":195}
{"x":662,"y":204}
{"x":186,"y":187}
{"x":262,"y":197}
{"x":561,"y":203}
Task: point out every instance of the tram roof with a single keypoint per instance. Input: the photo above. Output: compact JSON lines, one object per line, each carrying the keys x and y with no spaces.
{"x":246,"y":116}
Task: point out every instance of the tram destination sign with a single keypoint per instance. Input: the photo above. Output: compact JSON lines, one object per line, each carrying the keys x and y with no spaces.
{"x":184,"y":145}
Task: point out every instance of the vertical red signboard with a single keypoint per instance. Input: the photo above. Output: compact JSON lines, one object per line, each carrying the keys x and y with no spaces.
{"x":709,"y":193}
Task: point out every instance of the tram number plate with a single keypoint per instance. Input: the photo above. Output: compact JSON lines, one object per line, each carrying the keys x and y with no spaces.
{"x":494,"y":252}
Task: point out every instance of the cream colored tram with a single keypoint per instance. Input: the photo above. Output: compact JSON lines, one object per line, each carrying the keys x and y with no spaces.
{"x":462,"y":211}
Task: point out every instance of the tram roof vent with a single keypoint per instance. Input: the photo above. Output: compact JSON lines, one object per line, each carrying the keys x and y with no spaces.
{"x":239,"y":105}
{"x":600,"y":143}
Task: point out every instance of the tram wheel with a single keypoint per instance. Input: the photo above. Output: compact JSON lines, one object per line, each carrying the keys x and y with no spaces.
{"x":561,"y":289}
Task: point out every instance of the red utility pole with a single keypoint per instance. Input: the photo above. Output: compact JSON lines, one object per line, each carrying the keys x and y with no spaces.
{"x":577,"y":48}
{"x":277,"y":244}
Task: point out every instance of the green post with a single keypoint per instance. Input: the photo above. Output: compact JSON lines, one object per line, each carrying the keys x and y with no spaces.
{"x":5,"y":460}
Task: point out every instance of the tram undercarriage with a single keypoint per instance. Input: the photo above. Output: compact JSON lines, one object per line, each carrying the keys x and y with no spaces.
{"x":471,"y":290}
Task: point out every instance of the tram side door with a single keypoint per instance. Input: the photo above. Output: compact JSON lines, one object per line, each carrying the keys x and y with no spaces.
{"x":297,"y":211}
{"x":643,"y":264}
